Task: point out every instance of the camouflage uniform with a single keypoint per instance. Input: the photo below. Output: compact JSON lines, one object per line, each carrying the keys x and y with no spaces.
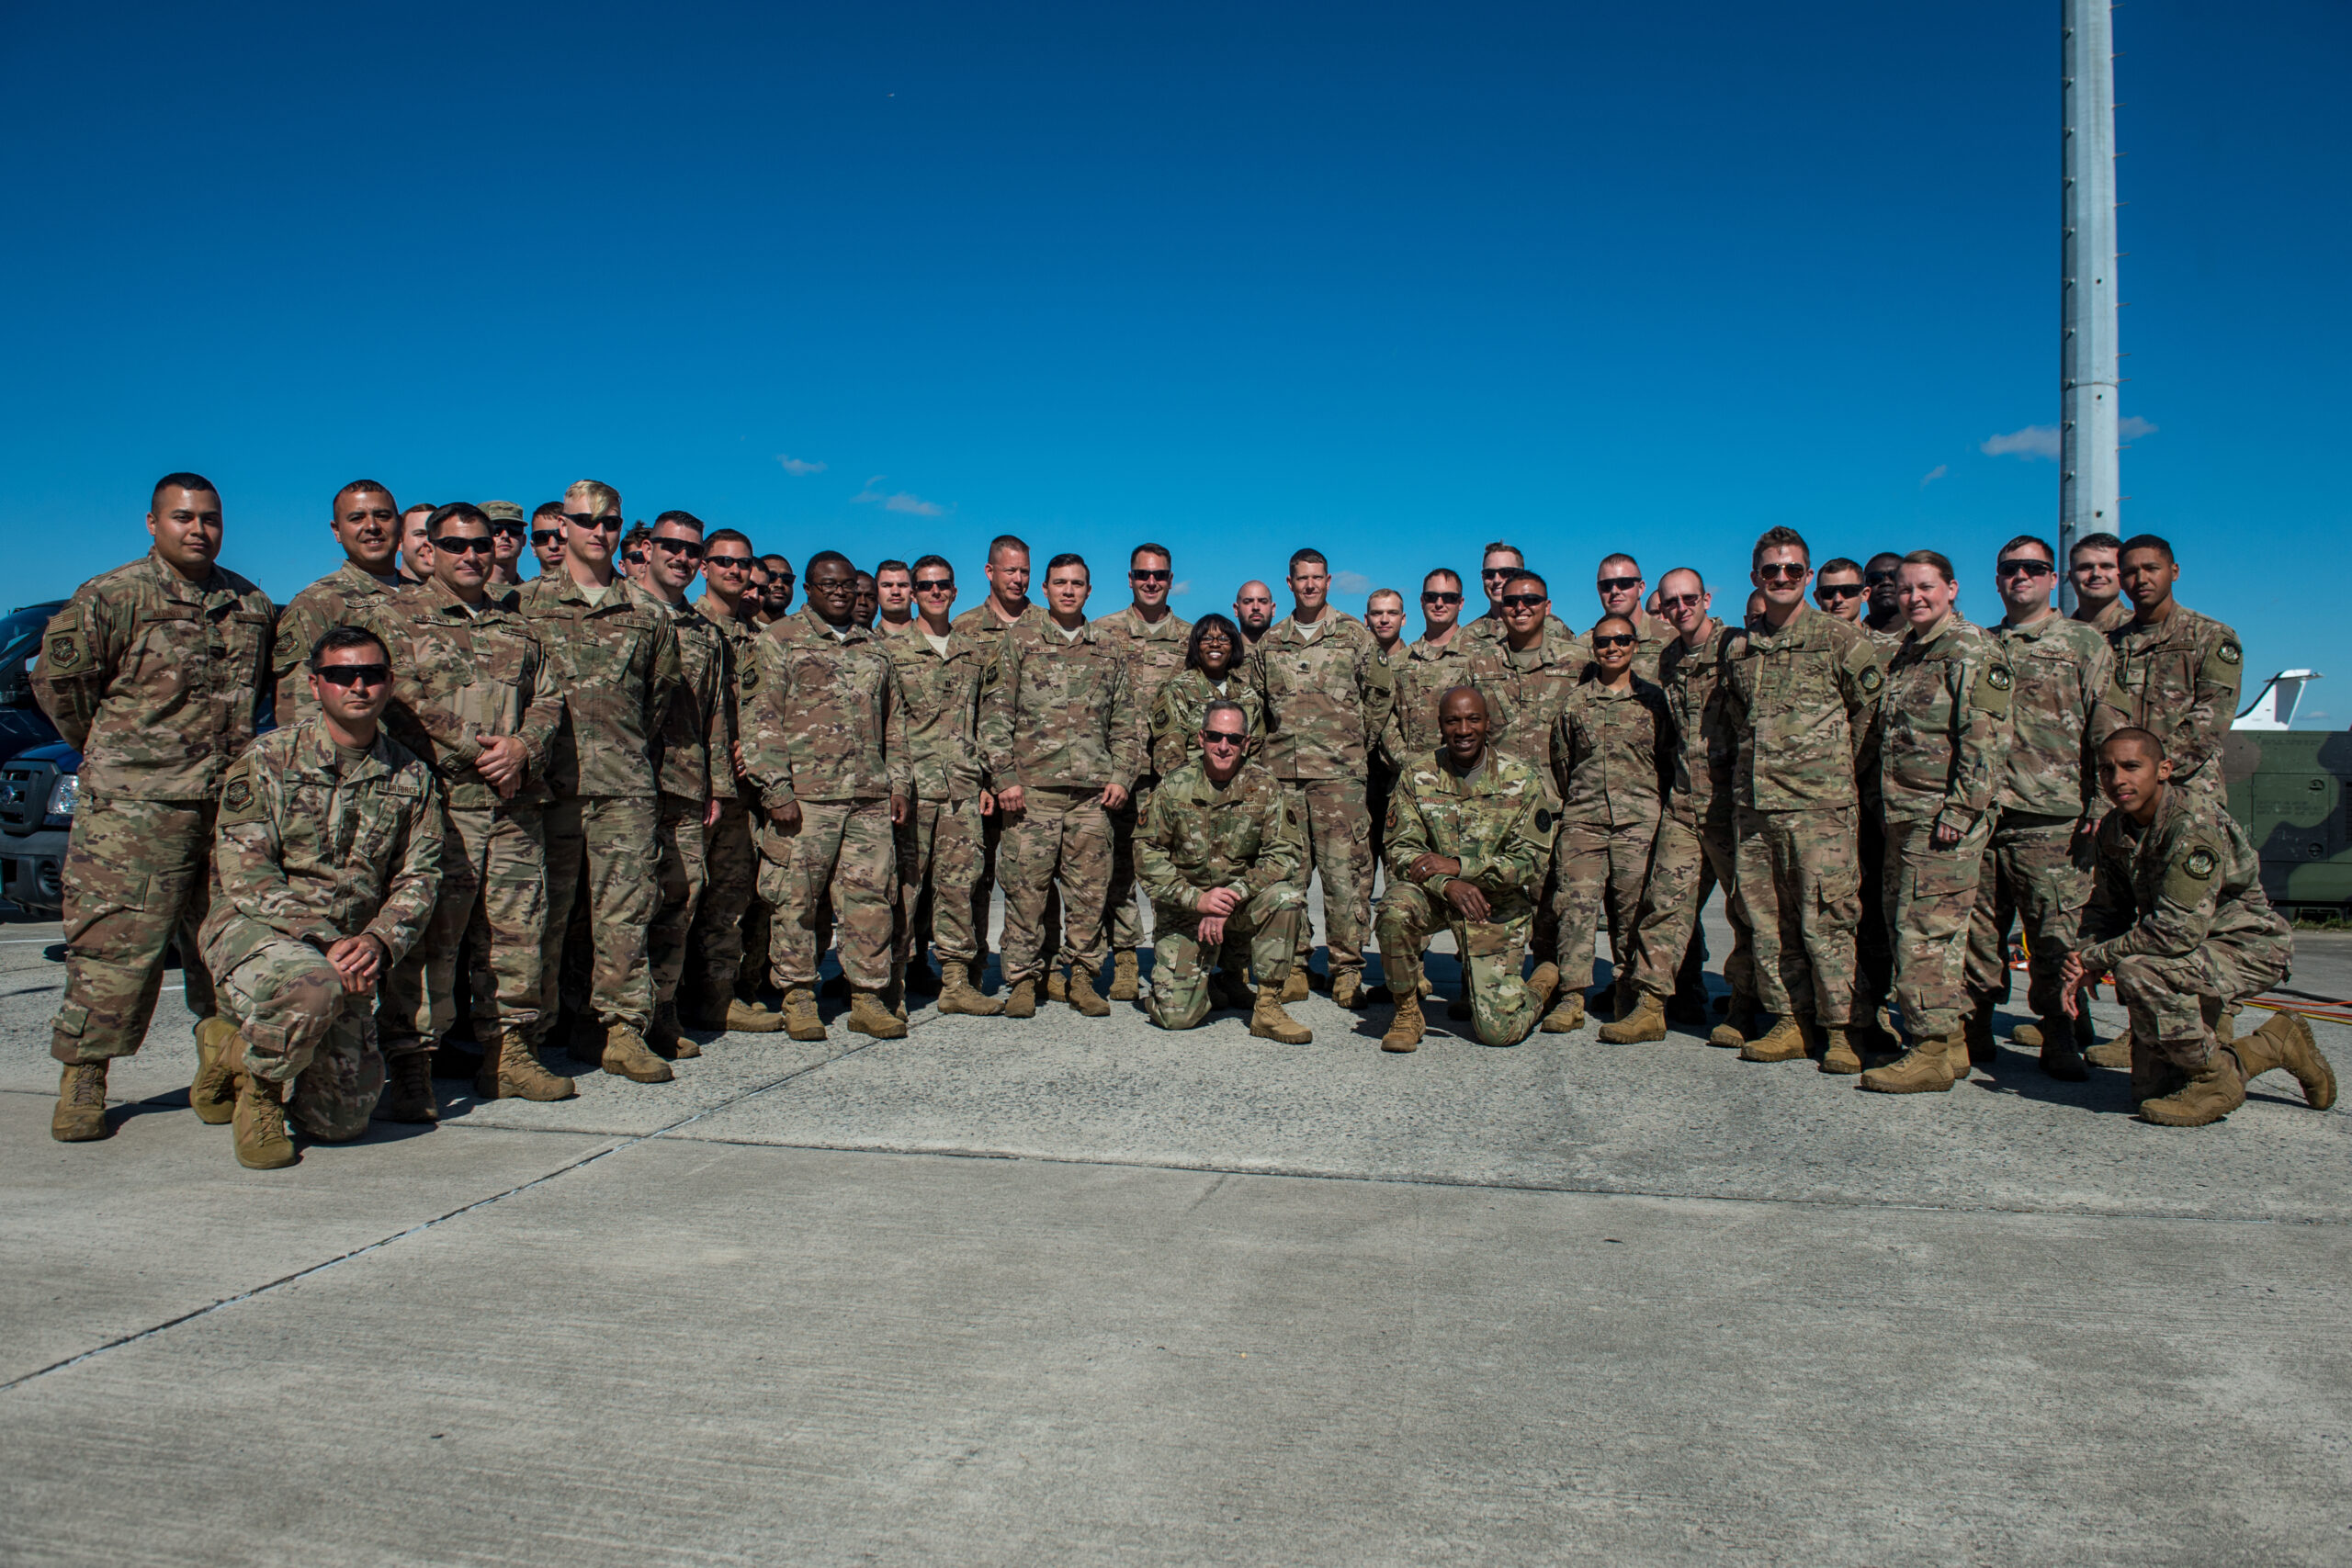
{"x":1194,"y":837}
{"x":1943,"y":747}
{"x":1324,"y":708}
{"x":2179,"y":918}
{"x":1155,"y":656}
{"x":347,"y":597}
{"x":1490,"y":628}
{"x":1496,"y":820}
{"x":697,"y":767}
{"x":1526,"y":691}
{"x":460,"y":675}
{"x":315,"y":846}
{"x":1057,"y":719}
{"x":1697,"y":834}
{"x":1801,"y":702}
{"x":2037,"y":865}
{"x":2114,"y":618}
{"x":829,"y":730}
{"x":941,"y":845}
{"x":1183,"y":705}
{"x":2178,"y":679}
{"x":1613,"y":757}
{"x":716,"y":940}
{"x":616,"y":663}
{"x":155,"y":680}
{"x":986,"y":630}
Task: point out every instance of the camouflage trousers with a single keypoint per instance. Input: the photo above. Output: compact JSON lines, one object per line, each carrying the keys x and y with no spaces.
{"x":939,"y":855}
{"x":1930,"y":897}
{"x":679,"y":877}
{"x":2035,"y":873}
{"x":1124,"y":925}
{"x":494,"y":909}
{"x":1689,"y":859}
{"x":2176,"y":1003}
{"x":992,"y":828}
{"x":601,"y":855}
{"x":729,"y":867}
{"x":1598,"y":870}
{"x":1799,"y":887}
{"x":843,"y":846}
{"x":1338,"y":845}
{"x":1178,"y":997}
{"x":1874,"y":934}
{"x":138,"y":874}
{"x":1061,"y":839}
{"x":301,"y":1028}
{"x":1503,"y":1009}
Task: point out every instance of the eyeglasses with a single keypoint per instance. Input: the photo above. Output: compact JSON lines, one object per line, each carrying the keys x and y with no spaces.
{"x":1782,"y":572}
{"x":512,"y":529}
{"x":1149,"y":576}
{"x":690,"y":548}
{"x":2025,"y":566}
{"x":1840,"y":591}
{"x":1521,"y":601}
{"x":463,"y":544}
{"x":936,"y":585}
{"x":1617,"y":584}
{"x":1676,"y":601}
{"x":542,"y":538}
{"x":725,"y":563}
{"x":353,"y":674}
{"x":1429,"y":598}
{"x":1222,"y":738}
{"x":610,"y":522}
{"x":1614,"y":639}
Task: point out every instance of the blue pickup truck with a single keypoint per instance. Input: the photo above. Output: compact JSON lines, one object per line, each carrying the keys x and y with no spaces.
{"x":39,"y":774}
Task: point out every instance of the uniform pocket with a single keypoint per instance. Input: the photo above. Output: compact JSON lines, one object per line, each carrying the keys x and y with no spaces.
{"x":72,"y":1020}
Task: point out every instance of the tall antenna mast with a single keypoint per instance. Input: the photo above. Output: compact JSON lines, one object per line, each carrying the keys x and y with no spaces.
{"x":2089,"y":475}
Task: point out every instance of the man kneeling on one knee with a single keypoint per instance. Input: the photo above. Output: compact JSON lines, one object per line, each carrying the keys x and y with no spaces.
{"x":1215,"y":852}
{"x":326,"y":864}
{"x":2179,"y":918}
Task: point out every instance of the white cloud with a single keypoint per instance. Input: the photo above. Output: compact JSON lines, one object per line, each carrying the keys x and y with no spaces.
{"x":1932,"y":475}
{"x":2033,"y":441}
{"x":798,"y":466}
{"x":1178,"y":590}
{"x":1350,"y":582}
{"x":2131,"y":427}
{"x":898,"y":501}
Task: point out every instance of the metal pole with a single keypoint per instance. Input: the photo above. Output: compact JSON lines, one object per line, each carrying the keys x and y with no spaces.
{"x":2089,"y":478}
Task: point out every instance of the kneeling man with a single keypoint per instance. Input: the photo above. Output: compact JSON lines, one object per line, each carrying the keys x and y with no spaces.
{"x":1469,"y":841}
{"x":325,"y":866}
{"x":1215,"y":853}
{"x":2179,"y":918}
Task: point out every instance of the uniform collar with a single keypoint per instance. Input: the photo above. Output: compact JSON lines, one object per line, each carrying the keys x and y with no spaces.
{"x":444,"y":598}
{"x":1131,"y":620}
{"x":316,"y":753}
{"x":1289,"y":629}
{"x":1452,"y":648}
{"x":179,"y":587}
{"x":812,"y":627}
{"x":1202,"y":791}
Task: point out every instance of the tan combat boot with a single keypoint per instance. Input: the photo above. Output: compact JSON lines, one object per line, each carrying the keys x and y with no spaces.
{"x":718,"y":1008}
{"x":1569,"y":1017}
{"x":510,"y":1070}
{"x":213,"y":1094}
{"x":1021,"y":1002}
{"x":1404,"y":1028}
{"x":2031,"y":1036}
{"x":1837,"y":1052}
{"x":1269,"y":1022}
{"x":2212,"y":1092}
{"x":870,"y":1014}
{"x":1646,"y":1022}
{"x":260,"y":1125}
{"x":958,"y":995}
{"x":408,"y":1085}
{"x":1543,"y":985}
{"x":81,"y":1113}
{"x":1082,"y":994}
{"x":1738,"y":1025}
{"x":2061,"y":1058}
{"x":1348,"y":988}
{"x":1931,"y":1066}
{"x":1787,"y":1041}
{"x":628,"y":1057}
{"x":2286,"y":1042}
{"x":801,"y":1019}
{"x":1125,"y":982}
{"x":667,"y":1037}
{"x":1300,"y":986}
{"x":1057,"y":984}
{"x":2114,"y":1054}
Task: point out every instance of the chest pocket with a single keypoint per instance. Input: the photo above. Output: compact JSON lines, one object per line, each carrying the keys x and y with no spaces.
{"x":168,"y":643}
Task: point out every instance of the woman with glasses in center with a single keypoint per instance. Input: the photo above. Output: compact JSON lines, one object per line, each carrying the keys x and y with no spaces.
{"x":1211,"y":673}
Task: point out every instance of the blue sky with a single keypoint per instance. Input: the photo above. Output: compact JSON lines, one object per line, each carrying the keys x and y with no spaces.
{"x":1390,"y":281}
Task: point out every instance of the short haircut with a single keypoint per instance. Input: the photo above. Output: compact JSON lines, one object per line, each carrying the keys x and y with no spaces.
{"x":415,"y":507}
{"x":683,"y":520}
{"x":1524,"y":575}
{"x":2146,"y":739}
{"x":1779,"y":537}
{"x":547,"y":509}
{"x":826,"y":557}
{"x":337,"y":637}
{"x":864,"y":578}
{"x":455,"y":512}
{"x":1894,"y":557}
{"x":1839,"y":563}
{"x":638,"y":533}
{"x":1383,"y":594}
{"x":726,"y":536}
{"x":2156,"y":542}
{"x":2094,"y":542}
{"x":2030,"y":541}
{"x":1296,"y":557}
{"x":1932,"y":558}
{"x":1608,"y":561}
{"x":1445,"y":571}
{"x":360,"y":487}
{"x":1624,"y":621}
{"x":1225,"y":704}
{"x":783,"y":561}
{"x":881,"y":567}
{"x":180,"y":481}
{"x":923,"y":562}
{"x":1693,"y":572}
{"x":1449,"y":693}
{"x":1149,"y":548}
{"x":1501,"y":547}
{"x":1070,"y":558}
{"x":595,"y":493}
{"x":1211,"y":622}
{"x":1004,"y":542}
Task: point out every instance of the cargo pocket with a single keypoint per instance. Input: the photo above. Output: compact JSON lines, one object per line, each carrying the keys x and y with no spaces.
{"x":87,"y":908}
{"x":73,"y":1019}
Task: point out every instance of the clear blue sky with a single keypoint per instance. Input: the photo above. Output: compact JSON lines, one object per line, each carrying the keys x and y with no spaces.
{"x":1386,"y":280}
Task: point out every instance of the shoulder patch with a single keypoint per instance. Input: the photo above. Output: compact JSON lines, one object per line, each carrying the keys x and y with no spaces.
{"x":64,"y":651}
{"x":2229,"y":653}
{"x":748,"y":678}
{"x":2199,"y":864}
{"x":1997,"y":677}
{"x":1871,"y":678}
{"x":1542,"y":819}
{"x":239,"y":795}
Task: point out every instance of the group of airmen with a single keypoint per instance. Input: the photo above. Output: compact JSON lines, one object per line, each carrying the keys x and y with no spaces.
{"x":597,"y":813}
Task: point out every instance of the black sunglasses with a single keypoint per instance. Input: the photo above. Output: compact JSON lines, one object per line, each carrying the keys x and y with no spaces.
{"x":1149,"y":576}
{"x":353,"y":674}
{"x":1614,"y":639}
{"x":936,"y":585}
{"x":1840,"y":590}
{"x":1875,"y":577}
{"x":1617,"y":584}
{"x":541,"y":537}
{"x":690,"y":548}
{"x":1521,"y":601}
{"x":1222,"y":738}
{"x":1498,"y":572}
{"x":1782,"y":572}
{"x":2025,"y":566}
{"x":1676,"y":601}
{"x":610,"y":521}
{"x":514,"y":528}
{"x":463,"y":544}
{"x":729,"y":563}
{"x":1429,"y":598}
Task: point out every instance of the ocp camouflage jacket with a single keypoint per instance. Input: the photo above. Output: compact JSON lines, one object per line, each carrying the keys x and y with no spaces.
{"x":942,"y":693}
{"x":1497,"y":823}
{"x":2178,"y":679}
{"x":1944,"y":726}
{"x":1803,"y":704}
{"x":1055,"y":711}
{"x":617,"y":666}
{"x":2062,"y":669}
{"x":1526,"y":691}
{"x":1183,"y":705}
{"x":1326,"y":697}
{"x":1612,"y":755}
{"x":344,"y":597}
{"x":699,"y":734}
{"x":828,"y":722}
{"x":1195,"y":836}
{"x":2190,"y":877}
{"x":460,"y":676}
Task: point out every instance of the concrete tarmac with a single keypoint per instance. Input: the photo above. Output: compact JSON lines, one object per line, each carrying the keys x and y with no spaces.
{"x":1076,"y":1289}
